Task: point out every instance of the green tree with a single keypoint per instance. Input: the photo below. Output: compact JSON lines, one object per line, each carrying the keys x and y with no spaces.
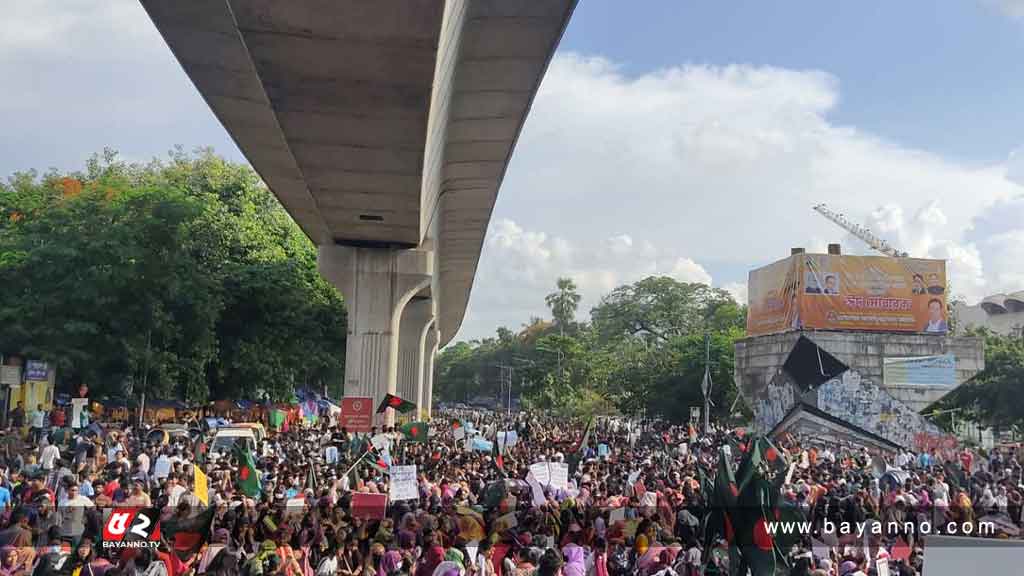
{"x":992,"y":397}
{"x":659,"y":308}
{"x":182,"y":275}
{"x":563,"y":303}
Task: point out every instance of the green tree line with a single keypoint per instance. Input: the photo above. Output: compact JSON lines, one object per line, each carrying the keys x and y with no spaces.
{"x":642,"y":350}
{"x":184,"y":276}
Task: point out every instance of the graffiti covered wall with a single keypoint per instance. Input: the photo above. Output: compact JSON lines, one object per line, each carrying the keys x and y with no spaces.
{"x":864,"y":404}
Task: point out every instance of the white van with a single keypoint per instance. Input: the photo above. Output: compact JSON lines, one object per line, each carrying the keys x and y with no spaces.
{"x":226,"y":439}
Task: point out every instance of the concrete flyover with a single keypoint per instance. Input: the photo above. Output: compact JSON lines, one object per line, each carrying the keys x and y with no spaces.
{"x":385,"y":128}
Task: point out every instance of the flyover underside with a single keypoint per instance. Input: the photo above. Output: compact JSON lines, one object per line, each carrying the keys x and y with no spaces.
{"x":380,"y":126}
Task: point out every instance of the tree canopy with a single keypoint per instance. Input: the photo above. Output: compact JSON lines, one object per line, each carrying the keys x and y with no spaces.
{"x":182,"y":275}
{"x":642,"y":351}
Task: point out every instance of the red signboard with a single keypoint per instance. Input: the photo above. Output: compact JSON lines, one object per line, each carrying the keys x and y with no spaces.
{"x":369,"y":506}
{"x":357,"y":413}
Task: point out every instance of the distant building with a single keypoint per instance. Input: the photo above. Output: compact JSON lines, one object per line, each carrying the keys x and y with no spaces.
{"x":1000,"y":313}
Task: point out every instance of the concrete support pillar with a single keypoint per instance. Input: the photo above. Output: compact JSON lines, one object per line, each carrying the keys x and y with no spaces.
{"x":417,"y":318}
{"x":426,"y":396}
{"x":376,"y":283}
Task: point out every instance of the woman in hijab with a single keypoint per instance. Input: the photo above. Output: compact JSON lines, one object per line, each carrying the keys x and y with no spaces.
{"x":391,"y":565}
{"x":427,"y":565}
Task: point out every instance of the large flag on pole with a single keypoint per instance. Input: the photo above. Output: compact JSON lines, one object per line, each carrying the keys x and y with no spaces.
{"x":248,"y":475}
{"x":396,"y":403}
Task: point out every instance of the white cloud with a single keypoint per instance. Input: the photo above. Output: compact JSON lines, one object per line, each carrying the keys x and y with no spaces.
{"x":1012,"y":8}
{"x":722,"y":165}
{"x":1015,"y":166}
{"x":519,"y":267}
{"x":686,"y":270}
{"x":85,"y":29}
{"x":738,"y":291}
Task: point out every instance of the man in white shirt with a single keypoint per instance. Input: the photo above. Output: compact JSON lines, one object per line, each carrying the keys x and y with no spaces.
{"x":143,"y":462}
{"x":72,"y":513}
{"x":174,"y":491}
{"x":37,"y":419}
{"x":162,"y":467}
{"x":48,"y":456}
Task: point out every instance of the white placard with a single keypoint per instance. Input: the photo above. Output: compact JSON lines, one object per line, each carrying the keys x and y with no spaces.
{"x":535,"y":488}
{"x":882,"y":566}
{"x":507,"y":439}
{"x":403,"y":483}
{"x":541,"y":473}
{"x":559,"y":475}
{"x":460,"y":433}
{"x":381,"y":442}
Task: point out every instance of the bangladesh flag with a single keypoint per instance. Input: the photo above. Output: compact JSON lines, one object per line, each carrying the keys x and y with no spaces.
{"x":415,"y":431}
{"x":248,"y":475}
{"x":456,"y":424}
{"x":186,"y":535}
{"x":398,"y":404}
{"x":744,"y":501}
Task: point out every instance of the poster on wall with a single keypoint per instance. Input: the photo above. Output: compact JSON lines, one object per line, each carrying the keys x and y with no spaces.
{"x":928,"y":371}
{"x":838,"y":292}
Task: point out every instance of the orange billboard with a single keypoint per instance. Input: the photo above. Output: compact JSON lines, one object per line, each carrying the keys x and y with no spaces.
{"x":833,"y":292}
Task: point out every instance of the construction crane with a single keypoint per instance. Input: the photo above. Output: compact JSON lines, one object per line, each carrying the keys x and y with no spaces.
{"x":859,"y":231}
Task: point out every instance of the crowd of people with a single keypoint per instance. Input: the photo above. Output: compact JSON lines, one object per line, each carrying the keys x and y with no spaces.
{"x":634,"y":501}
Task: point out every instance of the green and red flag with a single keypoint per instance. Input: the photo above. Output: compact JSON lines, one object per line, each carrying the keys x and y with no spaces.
{"x":376,"y":459}
{"x":744,"y":502}
{"x":415,"y":431}
{"x":248,"y":475}
{"x":456,"y":424}
{"x":186,"y":535}
{"x":398,"y":404}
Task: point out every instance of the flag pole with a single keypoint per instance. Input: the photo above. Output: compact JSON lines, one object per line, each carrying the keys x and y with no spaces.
{"x":354,"y":464}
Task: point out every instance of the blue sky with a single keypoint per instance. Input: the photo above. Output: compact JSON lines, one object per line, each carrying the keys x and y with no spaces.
{"x":687,"y":138}
{"x":944,"y":76}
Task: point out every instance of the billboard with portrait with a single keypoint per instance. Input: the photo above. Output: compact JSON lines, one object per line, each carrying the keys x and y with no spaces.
{"x":834,"y":292}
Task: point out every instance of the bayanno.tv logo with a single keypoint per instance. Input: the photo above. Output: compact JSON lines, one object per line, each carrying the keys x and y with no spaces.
{"x":131,"y":528}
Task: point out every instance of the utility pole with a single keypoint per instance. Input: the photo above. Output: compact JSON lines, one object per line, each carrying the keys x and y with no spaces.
{"x":705,"y":386}
{"x":145,"y":376}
